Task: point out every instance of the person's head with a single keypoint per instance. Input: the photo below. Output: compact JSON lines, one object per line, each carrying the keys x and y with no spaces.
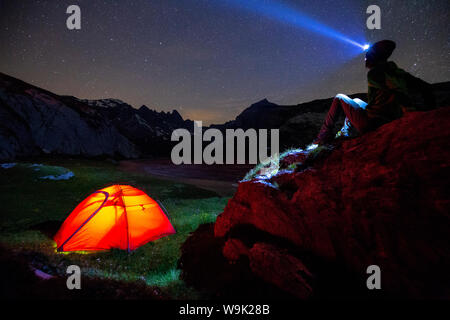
{"x":379,"y":52}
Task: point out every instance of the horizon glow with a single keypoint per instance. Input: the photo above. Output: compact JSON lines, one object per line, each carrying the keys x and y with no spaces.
{"x":284,"y":13}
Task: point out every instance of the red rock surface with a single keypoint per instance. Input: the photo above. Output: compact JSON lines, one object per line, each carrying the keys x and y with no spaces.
{"x":294,"y":156}
{"x":382,"y":198}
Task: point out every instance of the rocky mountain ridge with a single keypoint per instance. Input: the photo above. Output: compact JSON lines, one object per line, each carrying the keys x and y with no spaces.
{"x":34,"y":121}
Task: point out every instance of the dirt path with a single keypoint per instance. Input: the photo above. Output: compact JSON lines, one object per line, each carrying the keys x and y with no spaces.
{"x":222,"y":179}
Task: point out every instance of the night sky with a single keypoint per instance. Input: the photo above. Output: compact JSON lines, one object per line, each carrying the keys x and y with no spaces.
{"x":210,"y":59}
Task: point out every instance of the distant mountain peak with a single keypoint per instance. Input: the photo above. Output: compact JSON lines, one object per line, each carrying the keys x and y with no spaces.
{"x":175,"y":113}
{"x":104,"y":103}
{"x":264,"y":102}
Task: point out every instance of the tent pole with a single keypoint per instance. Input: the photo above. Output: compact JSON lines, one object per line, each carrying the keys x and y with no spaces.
{"x":126,"y":219}
{"x":61,"y":247}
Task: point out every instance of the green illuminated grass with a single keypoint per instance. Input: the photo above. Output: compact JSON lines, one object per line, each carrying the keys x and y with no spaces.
{"x":28,"y":203}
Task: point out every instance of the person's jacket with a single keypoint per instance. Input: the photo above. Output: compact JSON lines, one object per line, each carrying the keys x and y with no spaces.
{"x":390,"y":93}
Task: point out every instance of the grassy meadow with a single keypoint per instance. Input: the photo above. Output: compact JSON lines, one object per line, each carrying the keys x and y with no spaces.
{"x":32,"y":209}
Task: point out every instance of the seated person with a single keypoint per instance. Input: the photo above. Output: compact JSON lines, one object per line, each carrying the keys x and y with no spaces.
{"x":389,"y":96}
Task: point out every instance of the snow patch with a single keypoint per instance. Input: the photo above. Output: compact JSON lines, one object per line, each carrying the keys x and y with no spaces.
{"x":36,"y":166}
{"x":8,"y":165}
{"x":64,"y":176}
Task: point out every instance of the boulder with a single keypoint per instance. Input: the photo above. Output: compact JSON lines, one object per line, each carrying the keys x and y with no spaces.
{"x":379,"y":199}
{"x":276,"y":266}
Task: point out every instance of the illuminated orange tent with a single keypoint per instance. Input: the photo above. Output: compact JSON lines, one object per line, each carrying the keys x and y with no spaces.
{"x":118,"y":216}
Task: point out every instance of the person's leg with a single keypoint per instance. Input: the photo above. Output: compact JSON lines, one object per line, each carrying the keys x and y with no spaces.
{"x":361,"y":103}
{"x":349,"y":130}
{"x":352,"y":110}
{"x":356,"y":114}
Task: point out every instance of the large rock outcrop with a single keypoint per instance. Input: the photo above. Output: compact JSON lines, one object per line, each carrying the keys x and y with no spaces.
{"x":35,"y":121}
{"x":379,"y":199}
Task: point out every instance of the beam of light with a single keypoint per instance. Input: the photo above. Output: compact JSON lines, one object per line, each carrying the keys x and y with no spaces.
{"x":287,"y":14}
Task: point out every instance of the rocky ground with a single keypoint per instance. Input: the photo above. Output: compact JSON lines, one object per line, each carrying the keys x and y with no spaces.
{"x":22,"y":283}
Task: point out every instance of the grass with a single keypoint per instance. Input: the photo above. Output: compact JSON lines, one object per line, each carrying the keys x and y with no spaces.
{"x":28,"y":202}
{"x":271,"y":167}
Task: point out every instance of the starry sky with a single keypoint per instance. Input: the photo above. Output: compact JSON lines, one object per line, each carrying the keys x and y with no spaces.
{"x":210,"y":59}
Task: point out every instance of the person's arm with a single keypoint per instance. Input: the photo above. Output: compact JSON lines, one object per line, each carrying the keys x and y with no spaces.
{"x":381,"y":102}
{"x":377,"y":91}
{"x":375,"y":81}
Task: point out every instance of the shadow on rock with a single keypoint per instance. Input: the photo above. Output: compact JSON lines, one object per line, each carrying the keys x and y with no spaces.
{"x":205,"y":268}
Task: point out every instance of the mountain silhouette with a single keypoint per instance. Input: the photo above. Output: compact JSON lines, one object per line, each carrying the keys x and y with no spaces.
{"x":34,"y":121}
